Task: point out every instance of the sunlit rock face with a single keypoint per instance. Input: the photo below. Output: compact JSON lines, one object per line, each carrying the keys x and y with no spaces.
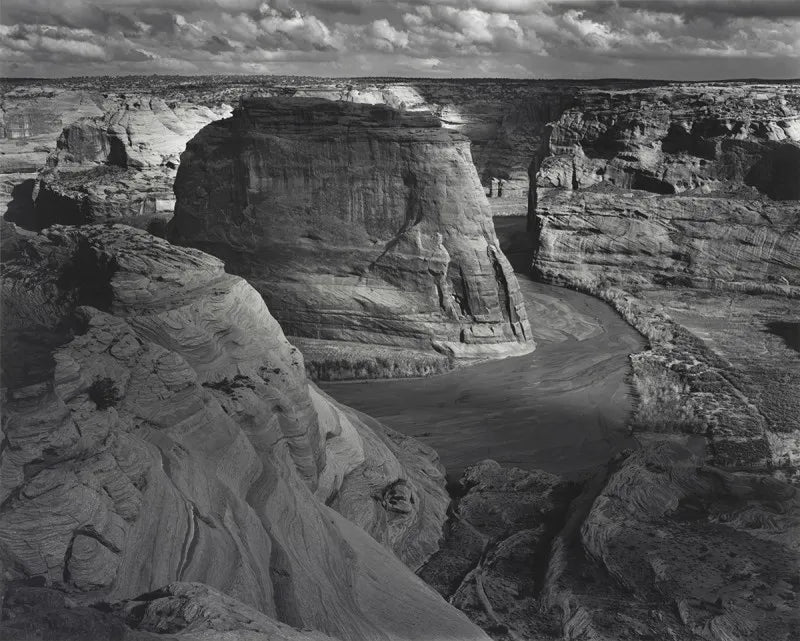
{"x":637,"y":238}
{"x":119,"y":166}
{"x":31,"y":119}
{"x":160,"y":428}
{"x":689,"y":185}
{"x":673,"y":139}
{"x":356,"y":223}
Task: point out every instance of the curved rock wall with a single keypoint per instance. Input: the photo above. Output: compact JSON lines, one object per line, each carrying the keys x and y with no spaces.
{"x":119,"y":166}
{"x":356,"y":223}
{"x":692,"y":185}
{"x":164,"y":431}
{"x":674,"y":139}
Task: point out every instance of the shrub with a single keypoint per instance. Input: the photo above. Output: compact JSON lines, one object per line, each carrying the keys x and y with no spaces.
{"x":104,"y":393}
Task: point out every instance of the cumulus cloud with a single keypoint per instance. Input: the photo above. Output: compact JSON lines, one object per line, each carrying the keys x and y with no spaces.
{"x":540,"y":38}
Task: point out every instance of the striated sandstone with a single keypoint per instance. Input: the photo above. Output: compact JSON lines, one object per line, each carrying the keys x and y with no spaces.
{"x":673,"y":139}
{"x":163,"y":430}
{"x":693,"y":185}
{"x":119,"y":166}
{"x":356,"y":223}
{"x":634,"y":238}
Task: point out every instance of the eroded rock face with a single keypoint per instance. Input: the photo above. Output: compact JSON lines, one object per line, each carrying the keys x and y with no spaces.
{"x":660,"y":545}
{"x":119,"y":166}
{"x":494,"y":554}
{"x":634,"y":238}
{"x":356,"y":223}
{"x":178,"y":611}
{"x":707,"y":553}
{"x":687,"y":185}
{"x":673,"y":139}
{"x":162,"y":430}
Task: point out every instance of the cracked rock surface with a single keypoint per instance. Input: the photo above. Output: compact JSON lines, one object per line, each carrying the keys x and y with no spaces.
{"x":356,"y":223}
{"x":161,"y":430}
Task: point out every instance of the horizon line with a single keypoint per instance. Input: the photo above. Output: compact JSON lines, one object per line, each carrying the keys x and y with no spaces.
{"x":385,"y":77}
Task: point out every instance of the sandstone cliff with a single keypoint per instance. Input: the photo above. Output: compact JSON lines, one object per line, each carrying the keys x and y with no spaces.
{"x":643,"y":239}
{"x":694,"y":185}
{"x":673,"y":139}
{"x":356,"y":223}
{"x":160,"y":428}
{"x":119,"y":166}
{"x":31,"y":119}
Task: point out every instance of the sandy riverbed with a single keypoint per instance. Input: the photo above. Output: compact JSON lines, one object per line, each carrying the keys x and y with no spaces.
{"x":562,"y":408}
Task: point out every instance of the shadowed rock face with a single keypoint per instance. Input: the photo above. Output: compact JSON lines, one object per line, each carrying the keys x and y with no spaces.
{"x":163,"y":430}
{"x":670,"y":140}
{"x":356,"y":223}
{"x":694,"y":186}
{"x":119,"y":166}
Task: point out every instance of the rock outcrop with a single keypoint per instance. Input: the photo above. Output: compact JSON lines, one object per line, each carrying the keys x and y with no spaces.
{"x":673,"y":548}
{"x":160,"y":429}
{"x":119,"y":166}
{"x":496,"y":547}
{"x":673,"y":139}
{"x":356,"y":223}
{"x":660,"y":545}
{"x":692,"y":185}
{"x":31,"y":119}
{"x":634,"y":238}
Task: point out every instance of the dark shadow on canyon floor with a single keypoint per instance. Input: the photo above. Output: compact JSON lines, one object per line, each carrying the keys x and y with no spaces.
{"x":789,"y":332}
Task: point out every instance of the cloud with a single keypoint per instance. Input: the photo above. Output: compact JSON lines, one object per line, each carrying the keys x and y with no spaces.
{"x":566,"y":38}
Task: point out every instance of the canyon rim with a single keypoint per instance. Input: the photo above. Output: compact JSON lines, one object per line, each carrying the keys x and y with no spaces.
{"x":400,"y":321}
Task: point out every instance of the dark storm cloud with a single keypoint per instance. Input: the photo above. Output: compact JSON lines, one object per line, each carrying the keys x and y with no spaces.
{"x":567,"y":38}
{"x":215,"y":44}
{"x":350,"y":7}
{"x":770,"y":9}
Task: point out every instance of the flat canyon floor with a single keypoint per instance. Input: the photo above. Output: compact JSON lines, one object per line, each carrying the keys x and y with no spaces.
{"x":563,"y":408}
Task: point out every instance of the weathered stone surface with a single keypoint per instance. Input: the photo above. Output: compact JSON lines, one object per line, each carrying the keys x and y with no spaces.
{"x":687,"y":185}
{"x":119,"y":166}
{"x":635,"y":238}
{"x":164,"y":431}
{"x":356,"y":223}
{"x":31,"y":119}
{"x":494,"y":554}
{"x":678,"y":138}
{"x":659,"y":546}
{"x":178,"y":611}
{"x":680,"y":550}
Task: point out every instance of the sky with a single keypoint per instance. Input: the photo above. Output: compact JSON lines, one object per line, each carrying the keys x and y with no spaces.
{"x":660,"y":39}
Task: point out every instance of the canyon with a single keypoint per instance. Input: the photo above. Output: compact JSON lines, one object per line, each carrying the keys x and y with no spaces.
{"x":177,"y":473}
{"x":357,"y":223}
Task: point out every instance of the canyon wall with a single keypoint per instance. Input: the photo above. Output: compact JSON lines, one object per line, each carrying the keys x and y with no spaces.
{"x":119,"y":166}
{"x":31,"y":119}
{"x":694,"y":185}
{"x":160,"y":429}
{"x":356,"y":223}
{"x":505,"y":121}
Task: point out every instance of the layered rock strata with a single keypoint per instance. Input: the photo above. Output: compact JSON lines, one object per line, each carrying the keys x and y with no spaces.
{"x":356,"y":223}
{"x":688,"y":185}
{"x":673,"y":139}
{"x":659,"y":545}
{"x":640,"y":239}
{"x":159,"y":428}
{"x":120,"y":166}
{"x":31,"y":119}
